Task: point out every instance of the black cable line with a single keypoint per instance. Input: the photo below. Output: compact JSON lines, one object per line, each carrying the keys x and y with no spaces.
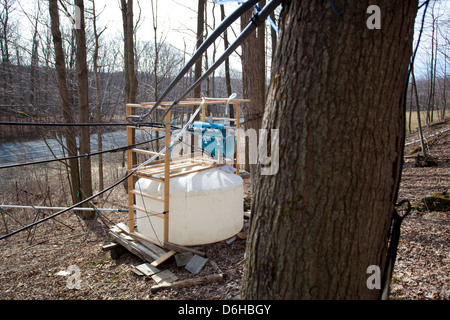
{"x":50,"y":124}
{"x":69,"y":208}
{"x":146,"y":212}
{"x":80,"y":156}
{"x":420,"y":35}
{"x":335,"y":9}
{"x":425,"y":3}
{"x":132,"y":172}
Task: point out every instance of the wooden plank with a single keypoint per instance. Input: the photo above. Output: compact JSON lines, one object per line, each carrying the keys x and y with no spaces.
{"x":174,"y":167}
{"x":169,"y":103}
{"x":221,"y":119}
{"x":145,"y":241}
{"x":135,"y":248}
{"x":146,"y":195}
{"x":161,"y":163}
{"x":184,"y":158}
{"x":132,"y":105}
{"x":238,"y":126}
{"x":167,"y":181}
{"x":147,"y":269}
{"x":110,"y":246}
{"x":164,"y":277}
{"x":152,"y":153}
{"x":131,"y":162}
{"x":153,"y":245}
{"x":188,"y":102}
{"x":204,"y":113}
{"x":190,"y":171}
{"x":163,"y":258}
{"x":144,"y":128}
{"x":142,"y":174}
{"x":210,"y":100}
{"x":149,"y":212}
{"x":178,"y":248}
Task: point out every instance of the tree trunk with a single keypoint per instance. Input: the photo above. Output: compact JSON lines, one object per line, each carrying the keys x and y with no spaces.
{"x":156,"y":59}
{"x":34,"y":67}
{"x":253,"y":78}
{"x":131,"y":82}
{"x":338,"y":101}
{"x":66,"y":107}
{"x":99,"y":99}
{"x":444,"y":95}
{"x":227,"y":60}
{"x":198,"y":64}
{"x":83,"y":100}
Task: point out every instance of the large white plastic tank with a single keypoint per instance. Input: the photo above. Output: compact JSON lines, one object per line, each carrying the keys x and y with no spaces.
{"x":205,"y":207}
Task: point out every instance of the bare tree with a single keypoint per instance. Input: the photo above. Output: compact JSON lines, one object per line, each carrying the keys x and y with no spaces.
{"x":66,"y":107}
{"x":253,"y":77}
{"x":419,"y":121}
{"x":7,"y":7}
{"x":131,"y":82}
{"x":200,"y":31}
{"x":98,"y":91}
{"x":227,"y":60}
{"x":34,"y":60}
{"x":83,"y":100}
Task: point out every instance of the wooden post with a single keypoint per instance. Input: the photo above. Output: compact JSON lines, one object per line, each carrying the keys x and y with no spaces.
{"x":131,"y":161}
{"x":204,"y":113}
{"x":167,"y":177}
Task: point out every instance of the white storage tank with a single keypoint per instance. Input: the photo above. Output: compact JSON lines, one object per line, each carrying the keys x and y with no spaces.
{"x":205,"y":207}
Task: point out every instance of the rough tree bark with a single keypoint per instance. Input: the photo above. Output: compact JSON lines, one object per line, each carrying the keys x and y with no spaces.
{"x":131,"y":82}
{"x":337,"y":98}
{"x":83,"y":100}
{"x":253,"y":78}
{"x":227,"y":60}
{"x":199,"y":64}
{"x":98,"y":91}
{"x":66,"y":107}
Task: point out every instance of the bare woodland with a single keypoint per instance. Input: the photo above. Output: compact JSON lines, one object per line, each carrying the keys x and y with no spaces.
{"x":65,"y":69}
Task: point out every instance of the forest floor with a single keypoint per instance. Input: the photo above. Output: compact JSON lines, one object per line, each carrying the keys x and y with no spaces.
{"x":34,"y":264}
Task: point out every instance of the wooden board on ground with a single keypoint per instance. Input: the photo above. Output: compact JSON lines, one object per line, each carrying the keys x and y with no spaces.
{"x":147,"y":269}
{"x":164,"y":277}
{"x":178,"y":248}
{"x":163,"y":258}
{"x":148,"y":252}
{"x":142,"y":246}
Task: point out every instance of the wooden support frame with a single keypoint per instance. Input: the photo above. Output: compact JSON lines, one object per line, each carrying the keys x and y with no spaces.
{"x":166,"y":167}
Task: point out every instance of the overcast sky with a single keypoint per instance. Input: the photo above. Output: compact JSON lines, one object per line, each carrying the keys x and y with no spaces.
{"x":176,"y":17}
{"x":177,"y":22}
